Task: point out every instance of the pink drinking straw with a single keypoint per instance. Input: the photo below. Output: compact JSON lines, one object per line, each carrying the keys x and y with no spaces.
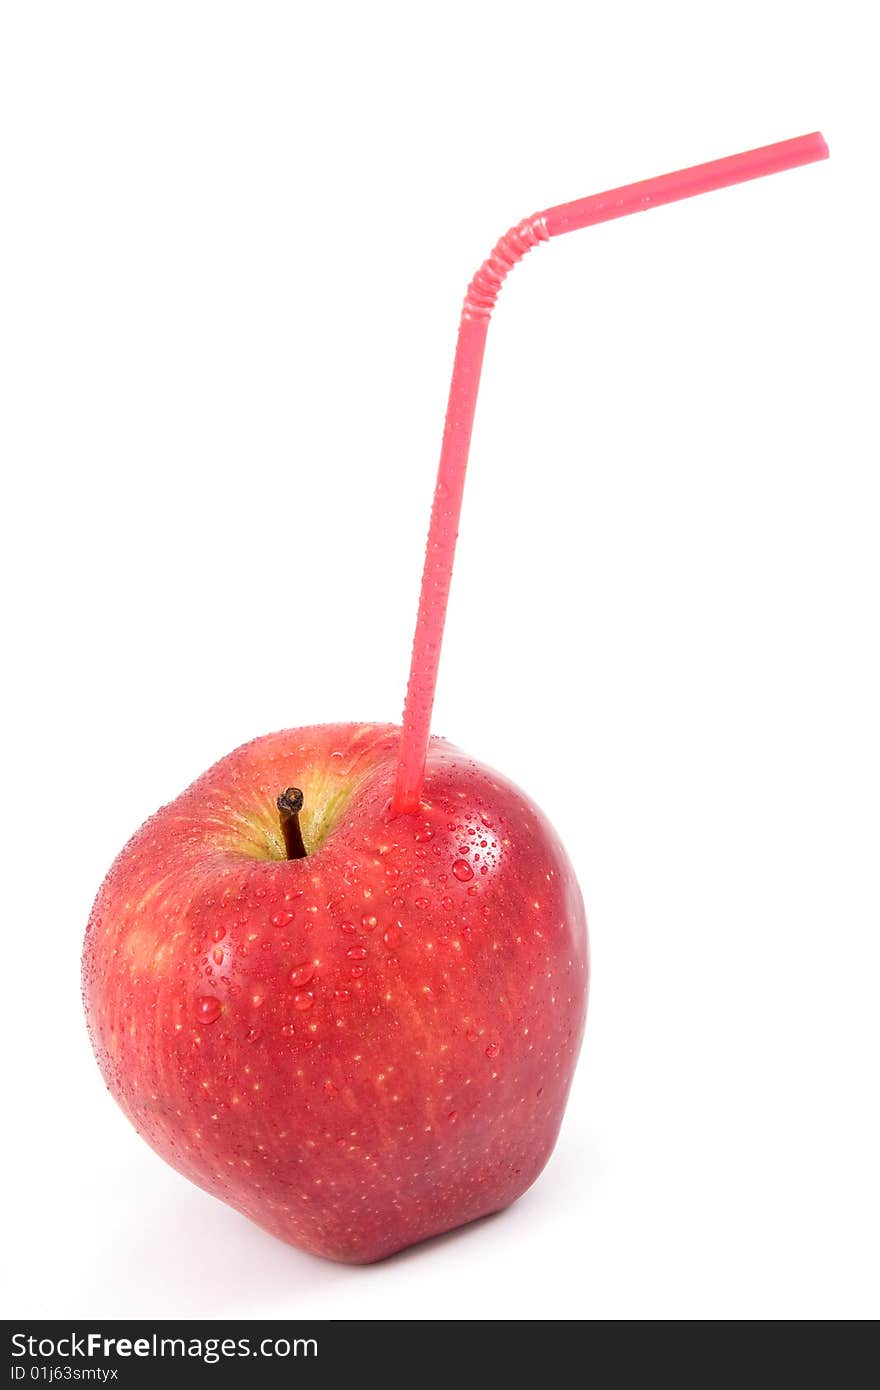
{"x":478,"y":305}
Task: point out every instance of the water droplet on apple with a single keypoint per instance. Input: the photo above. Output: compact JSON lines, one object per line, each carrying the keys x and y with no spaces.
{"x":357,"y":953}
{"x":208,"y":1009}
{"x":472,"y":1035}
{"x":348,"y":927}
{"x":426,"y":833}
{"x":301,"y":974}
{"x":253,"y":1035}
{"x":492,"y":1051}
{"x":330,"y":1089}
{"x":341,"y":995}
{"x":392,"y":936}
{"x":281,"y":919}
{"x":462,"y":870}
{"x":368,"y":922}
{"x":421,"y":903}
{"x":217,"y":955}
{"x":304,"y":1000}
{"x":218,"y":933}
{"x":357,"y":971}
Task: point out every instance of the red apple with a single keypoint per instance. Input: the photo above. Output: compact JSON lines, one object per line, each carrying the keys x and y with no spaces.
{"x":358,"y":1048}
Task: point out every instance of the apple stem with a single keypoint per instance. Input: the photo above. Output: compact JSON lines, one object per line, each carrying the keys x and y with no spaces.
{"x":478,"y":305}
{"x":289,"y":804}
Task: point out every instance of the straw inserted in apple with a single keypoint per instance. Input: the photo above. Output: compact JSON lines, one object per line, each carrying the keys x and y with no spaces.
{"x":478,"y":305}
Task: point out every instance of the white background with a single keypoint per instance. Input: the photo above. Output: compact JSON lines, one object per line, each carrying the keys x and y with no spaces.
{"x":235,"y":239}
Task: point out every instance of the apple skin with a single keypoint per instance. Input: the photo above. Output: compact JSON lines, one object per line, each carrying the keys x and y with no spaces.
{"x":362,"y":1048}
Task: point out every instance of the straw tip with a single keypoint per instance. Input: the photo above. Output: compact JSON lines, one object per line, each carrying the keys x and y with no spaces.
{"x":822,"y":150}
